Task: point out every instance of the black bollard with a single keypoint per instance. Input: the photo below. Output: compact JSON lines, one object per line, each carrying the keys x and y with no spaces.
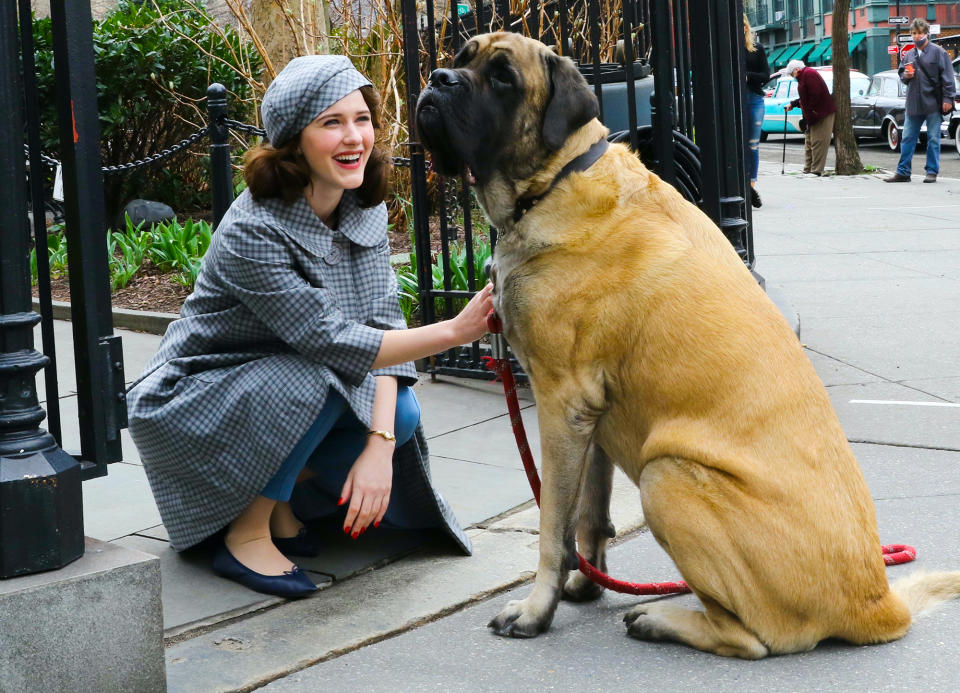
{"x":41,"y":507}
{"x":222,"y":173}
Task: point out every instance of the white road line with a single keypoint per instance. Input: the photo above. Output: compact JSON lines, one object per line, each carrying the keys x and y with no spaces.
{"x":902,"y":207}
{"x":910,"y":404}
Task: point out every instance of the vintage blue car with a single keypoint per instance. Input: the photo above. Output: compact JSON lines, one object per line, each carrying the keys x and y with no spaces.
{"x":784,"y":90}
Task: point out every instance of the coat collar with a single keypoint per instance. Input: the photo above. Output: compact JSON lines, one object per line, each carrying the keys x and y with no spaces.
{"x":365,"y":227}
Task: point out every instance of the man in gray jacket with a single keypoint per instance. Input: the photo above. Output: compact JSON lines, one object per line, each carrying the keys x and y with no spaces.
{"x":928,"y":74}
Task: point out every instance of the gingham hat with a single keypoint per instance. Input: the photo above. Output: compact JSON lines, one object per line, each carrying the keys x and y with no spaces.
{"x":305,"y":88}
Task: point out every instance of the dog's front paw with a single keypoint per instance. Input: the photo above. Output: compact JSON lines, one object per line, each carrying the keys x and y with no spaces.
{"x":580,"y":588}
{"x":520,"y":620}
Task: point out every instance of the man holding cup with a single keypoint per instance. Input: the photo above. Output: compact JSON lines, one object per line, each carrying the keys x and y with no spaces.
{"x":928,"y":74}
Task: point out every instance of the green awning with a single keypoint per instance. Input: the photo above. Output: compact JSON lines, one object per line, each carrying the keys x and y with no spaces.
{"x":786,"y":56}
{"x":802,"y":51}
{"x":819,"y":50}
{"x":855,"y":41}
{"x":852,"y":43}
{"x":774,"y":54}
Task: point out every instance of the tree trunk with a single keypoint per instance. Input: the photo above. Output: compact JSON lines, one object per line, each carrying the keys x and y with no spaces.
{"x":844,"y":141}
{"x":290,"y":29}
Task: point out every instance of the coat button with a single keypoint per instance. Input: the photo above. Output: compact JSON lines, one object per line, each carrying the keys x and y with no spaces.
{"x":334,"y":256}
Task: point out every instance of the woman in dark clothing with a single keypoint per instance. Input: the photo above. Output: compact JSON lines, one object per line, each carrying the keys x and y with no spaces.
{"x":758,"y":74}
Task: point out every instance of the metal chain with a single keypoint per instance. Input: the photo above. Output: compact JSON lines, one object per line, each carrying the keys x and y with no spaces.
{"x":451,"y":203}
{"x":244,"y":127}
{"x":48,"y":160}
{"x":153,"y":158}
{"x":120,"y":168}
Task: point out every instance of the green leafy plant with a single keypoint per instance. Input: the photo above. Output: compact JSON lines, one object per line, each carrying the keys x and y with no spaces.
{"x":409,"y":286}
{"x":175,"y":248}
{"x":179,"y":248}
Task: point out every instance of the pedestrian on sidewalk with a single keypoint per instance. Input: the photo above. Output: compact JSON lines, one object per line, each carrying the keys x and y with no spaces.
{"x":816,"y":102}
{"x":291,"y":360}
{"x":757,"y":71}
{"x":928,"y":74}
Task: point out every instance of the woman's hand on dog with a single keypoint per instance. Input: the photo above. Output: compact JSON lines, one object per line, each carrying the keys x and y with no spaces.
{"x":368,"y":486}
{"x":471,"y":323}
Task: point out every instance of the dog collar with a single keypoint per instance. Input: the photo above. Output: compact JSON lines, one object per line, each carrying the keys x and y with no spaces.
{"x":581,"y":163}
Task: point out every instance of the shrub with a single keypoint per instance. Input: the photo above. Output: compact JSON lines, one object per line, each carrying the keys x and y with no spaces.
{"x":153,"y":62}
{"x":175,"y":249}
{"x":409,"y":286}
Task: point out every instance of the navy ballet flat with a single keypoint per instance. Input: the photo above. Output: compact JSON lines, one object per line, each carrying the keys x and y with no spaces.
{"x":293,"y":583}
{"x":306,"y":543}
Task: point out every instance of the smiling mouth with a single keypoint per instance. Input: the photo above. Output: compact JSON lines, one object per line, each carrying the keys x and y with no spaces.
{"x":348,"y":160}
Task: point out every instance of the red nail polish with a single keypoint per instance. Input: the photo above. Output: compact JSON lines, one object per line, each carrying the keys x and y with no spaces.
{"x":346,"y":530}
{"x":376,"y":524}
{"x":363,"y":530}
{"x":356,"y":534}
{"x":341,"y":501}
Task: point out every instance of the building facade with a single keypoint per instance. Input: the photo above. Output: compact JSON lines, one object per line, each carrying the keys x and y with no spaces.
{"x":802,"y":29}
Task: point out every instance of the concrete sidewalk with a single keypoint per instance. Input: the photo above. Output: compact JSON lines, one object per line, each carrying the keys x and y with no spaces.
{"x":873,"y":271}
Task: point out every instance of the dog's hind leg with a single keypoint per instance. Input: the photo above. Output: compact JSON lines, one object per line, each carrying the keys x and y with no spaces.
{"x":594,"y":528}
{"x":565,"y":433}
{"x":716,"y":630}
{"x":679,"y":507}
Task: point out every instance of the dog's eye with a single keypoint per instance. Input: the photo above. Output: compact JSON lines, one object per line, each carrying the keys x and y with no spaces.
{"x":501,"y":78}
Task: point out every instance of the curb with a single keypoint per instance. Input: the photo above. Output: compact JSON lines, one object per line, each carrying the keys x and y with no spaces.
{"x":137,"y":320}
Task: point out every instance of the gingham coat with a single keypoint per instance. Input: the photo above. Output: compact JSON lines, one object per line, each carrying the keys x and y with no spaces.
{"x":283,"y":309}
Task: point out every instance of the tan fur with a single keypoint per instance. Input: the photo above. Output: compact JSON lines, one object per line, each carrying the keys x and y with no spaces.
{"x":650,"y":346}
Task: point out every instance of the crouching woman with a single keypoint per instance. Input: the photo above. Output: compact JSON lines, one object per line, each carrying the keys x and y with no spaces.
{"x":291,"y":361}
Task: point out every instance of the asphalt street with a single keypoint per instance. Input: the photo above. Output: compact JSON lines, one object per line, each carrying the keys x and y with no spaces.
{"x":872,"y":153}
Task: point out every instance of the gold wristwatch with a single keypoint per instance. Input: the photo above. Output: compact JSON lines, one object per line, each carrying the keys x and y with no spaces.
{"x":386,"y":435}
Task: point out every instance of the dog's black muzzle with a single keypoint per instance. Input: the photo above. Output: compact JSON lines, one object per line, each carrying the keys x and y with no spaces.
{"x":435,"y":110}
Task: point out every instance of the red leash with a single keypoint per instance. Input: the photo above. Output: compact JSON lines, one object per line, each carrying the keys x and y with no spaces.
{"x":499,"y":363}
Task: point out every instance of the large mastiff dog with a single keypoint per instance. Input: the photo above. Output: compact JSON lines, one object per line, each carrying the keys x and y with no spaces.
{"x":651,"y":347}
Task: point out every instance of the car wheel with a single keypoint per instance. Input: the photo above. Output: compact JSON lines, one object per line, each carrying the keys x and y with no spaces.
{"x":764,"y":136}
{"x":893,"y":137}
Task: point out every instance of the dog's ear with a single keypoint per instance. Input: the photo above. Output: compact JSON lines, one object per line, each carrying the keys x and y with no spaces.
{"x":571,"y":104}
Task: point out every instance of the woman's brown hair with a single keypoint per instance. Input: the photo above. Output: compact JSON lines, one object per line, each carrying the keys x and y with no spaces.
{"x":283,"y":172}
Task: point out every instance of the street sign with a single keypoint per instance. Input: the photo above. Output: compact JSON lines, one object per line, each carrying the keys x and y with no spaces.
{"x":893,"y":50}
{"x":898,"y":20}
{"x":934,"y":29}
{"x":904,"y":38}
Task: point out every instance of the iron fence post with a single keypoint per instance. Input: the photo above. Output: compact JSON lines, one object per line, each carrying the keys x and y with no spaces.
{"x":41,"y":506}
{"x":718,"y":113}
{"x":418,"y":169}
{"x":222,"y":174}
{"x":663,"y":107}
{"x":97,"y":351}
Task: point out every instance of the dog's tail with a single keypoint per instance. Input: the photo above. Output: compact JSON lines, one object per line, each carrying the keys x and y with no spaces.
{"x":922,"y":591}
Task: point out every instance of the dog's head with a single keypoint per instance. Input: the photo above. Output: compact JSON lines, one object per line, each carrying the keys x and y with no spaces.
{"x":506,"y":105}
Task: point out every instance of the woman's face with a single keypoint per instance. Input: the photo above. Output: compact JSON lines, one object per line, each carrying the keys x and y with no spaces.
{"x":338,"y":142}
